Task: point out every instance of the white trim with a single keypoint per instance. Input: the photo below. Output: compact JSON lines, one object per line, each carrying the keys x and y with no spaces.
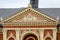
{"x":11,"y":28}
{"x":41,"y":34}
{"x":15,"y":15}
{"x":54,"y":34}
{"x":45,"y":15}
{"x":38,"y":28}
{"x":29,"y":32}
{"x":17,"y":34}
{"x":25,"y":28}
{"x":4,"y":34}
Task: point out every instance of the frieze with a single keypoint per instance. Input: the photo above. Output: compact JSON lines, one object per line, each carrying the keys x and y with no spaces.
{"x":30,"y":24}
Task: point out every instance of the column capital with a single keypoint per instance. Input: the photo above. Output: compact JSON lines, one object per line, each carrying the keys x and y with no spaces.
{"x":54,"y":34}
{"x":4,"y":31}
{"x":17,"y":33}
{"x":17,"y":30}
{"x":4,"y":34}
{"x":41,"y":34}
{"x":54,"y":30}
{"x":41,"y":30}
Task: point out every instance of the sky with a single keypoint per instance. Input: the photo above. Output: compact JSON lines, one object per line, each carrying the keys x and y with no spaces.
{"x":24,"y":3}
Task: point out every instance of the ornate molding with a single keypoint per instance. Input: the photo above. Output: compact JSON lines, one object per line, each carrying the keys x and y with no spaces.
{"x":29,"y":18}
{"x":4,"y":34}
{"x":25,"y":28}
{"x":54,"y":30}
{"x":26,"y":10}
{"x":30,"y":24}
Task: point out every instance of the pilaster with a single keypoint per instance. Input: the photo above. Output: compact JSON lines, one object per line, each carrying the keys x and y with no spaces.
{"x":4,"y":34}
{"x":17,"y":34}
{"x":41,"y":34}
{"x":54,"y":34}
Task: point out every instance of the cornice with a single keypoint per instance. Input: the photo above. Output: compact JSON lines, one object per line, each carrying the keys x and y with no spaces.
{"x":30,"y":24}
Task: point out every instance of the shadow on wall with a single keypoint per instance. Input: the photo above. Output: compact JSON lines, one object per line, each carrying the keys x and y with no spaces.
{"x":1,"y":26}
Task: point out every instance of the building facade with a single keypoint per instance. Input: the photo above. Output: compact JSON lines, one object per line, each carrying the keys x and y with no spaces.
{"x":29,"y":24}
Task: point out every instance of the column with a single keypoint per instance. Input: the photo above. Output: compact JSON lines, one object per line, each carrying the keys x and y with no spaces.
{"x":41,"y":34}
{"x":17,"y":34}
{"x":4,"y":34}
{"x":54,"y":34}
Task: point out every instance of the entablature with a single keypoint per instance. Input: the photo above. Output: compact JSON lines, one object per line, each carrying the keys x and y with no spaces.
{"x":30,"y":24}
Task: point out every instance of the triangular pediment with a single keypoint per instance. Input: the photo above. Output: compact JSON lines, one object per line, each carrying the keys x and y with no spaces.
{"x":29,"y":15}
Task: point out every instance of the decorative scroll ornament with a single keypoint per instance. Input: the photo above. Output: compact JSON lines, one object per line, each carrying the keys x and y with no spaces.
{"x":29,"y":17}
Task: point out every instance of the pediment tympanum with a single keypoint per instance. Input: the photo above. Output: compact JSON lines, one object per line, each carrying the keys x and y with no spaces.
{"x":29,"y":15}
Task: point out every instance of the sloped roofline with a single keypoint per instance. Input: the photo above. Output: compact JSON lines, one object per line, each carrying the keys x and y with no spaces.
{"x":26,"y":10}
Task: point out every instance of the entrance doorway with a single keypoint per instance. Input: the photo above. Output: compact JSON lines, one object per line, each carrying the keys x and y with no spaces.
{"x":48,"y":38}
{"x":30,"y":37}
{"x":11,"y":39}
